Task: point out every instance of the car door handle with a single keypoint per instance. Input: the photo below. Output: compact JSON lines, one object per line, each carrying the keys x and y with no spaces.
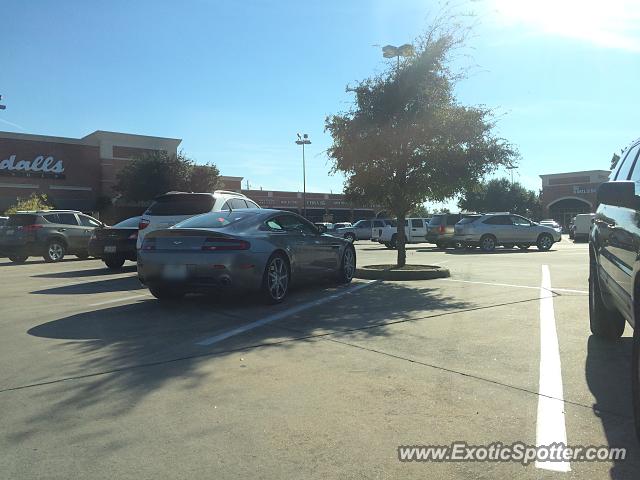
{"x":62,"y":229}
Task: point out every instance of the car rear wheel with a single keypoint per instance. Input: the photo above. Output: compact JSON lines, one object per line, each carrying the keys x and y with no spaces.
{"x":166,"y":293}
{"x":18,"y":258}
{"x":604,"y":323}
{"x":275,"y":282}
{"x":347,"y":266}
{"x":114,"y":262}
{"x":545,"y":242}
{"x":488,"y":243}
{"x":54,"y":252}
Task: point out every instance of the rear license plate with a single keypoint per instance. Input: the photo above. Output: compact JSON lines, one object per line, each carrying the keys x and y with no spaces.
{"x":110,"y":249}
{"x":174,"y":272}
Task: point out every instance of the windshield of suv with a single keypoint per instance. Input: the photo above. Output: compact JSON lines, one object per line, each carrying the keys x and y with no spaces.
{"x":181,"y":204}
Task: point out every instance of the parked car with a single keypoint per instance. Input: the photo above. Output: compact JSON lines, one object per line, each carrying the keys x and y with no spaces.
{"x":3,"y":221}
{"x":48,"y":233}
{"x":257,"y":249}
{"x":441,"y":231}
{"x":551,"y":223}
{"x":582,"y":226}
{"x":492,"y":229}
{"x":115,"y":244}
{"x":415,"y":230}
{"x":377,"y":225}
{"x":360,"y":230}
{"x":173,"y":207}
{"x":614,"y":262}
{"x":341,"y":225}
{"x":572,"y":228}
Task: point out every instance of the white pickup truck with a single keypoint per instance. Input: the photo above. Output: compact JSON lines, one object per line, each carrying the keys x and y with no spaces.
{"x":415,"y":231}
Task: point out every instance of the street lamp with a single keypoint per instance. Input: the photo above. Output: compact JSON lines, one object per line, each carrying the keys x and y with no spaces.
{"x":511,"y":168}
{"x":304,"y":140}
{"x":406,"y":50}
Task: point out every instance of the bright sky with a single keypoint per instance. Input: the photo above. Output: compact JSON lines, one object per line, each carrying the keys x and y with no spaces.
{"x":237,"y":80}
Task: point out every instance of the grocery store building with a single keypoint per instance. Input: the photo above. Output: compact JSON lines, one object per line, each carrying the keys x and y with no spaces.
{"x":79,"y":174}
{"x":564,"y":195}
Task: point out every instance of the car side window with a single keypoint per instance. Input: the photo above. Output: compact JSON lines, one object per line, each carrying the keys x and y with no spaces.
{"x":225,"y":206}
{"x":415,"y":223}
{"x":251,"y":204}
{"x":51,"y":217}
{"x":453,"y":219}
{"x":366,"y":224}
{"x":237,"y":203}
{"x":273,"y":224}
{"x":378,"y":223}
{"x":498,"y":220}
{"x":628,"y":163}
{"x":520,"y":221}
{"x":291,"y":223}
{"x":88,"y":221}
{"x":67,"y":219}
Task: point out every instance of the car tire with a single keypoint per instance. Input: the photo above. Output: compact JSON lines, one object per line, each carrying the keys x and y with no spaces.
{"x":114,"y":262}
{"x":544,"y":242}
{"x":604,"y":323}
{"x":347,"y":265}
{"x":523,"y":246}
{"x":276,"y":272}
{"x":82,"y":255}
{"x":166,"y":293}
{"x":488,"y":243}
{"x":18,"y":258}
{"x":351,"y":237}
{"x":54,"y":251}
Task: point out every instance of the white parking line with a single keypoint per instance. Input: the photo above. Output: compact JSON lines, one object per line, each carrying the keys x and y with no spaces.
{"x":280,"y":315}
{"x":119,"y":299}
{"x":550,"y":426}
{"x":566,"y":290}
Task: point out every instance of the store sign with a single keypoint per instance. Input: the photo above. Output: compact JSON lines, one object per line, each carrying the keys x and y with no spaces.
{"x":41,"y":166}
{"x":583,"y":190}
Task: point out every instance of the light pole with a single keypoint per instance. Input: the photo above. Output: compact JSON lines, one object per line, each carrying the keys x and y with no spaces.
{"x":511,"y":169}
{"x":406,"y":50}
{"x":304,"y":140}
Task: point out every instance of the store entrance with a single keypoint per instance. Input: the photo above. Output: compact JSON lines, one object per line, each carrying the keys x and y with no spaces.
{"x":563,"y":211}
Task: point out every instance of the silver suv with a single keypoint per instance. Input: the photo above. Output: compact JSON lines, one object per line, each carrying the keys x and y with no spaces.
{"x":492,"y":229}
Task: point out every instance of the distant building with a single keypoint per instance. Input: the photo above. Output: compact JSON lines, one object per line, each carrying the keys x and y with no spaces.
{"x":76,"y":172}
{"x":564,"y":195}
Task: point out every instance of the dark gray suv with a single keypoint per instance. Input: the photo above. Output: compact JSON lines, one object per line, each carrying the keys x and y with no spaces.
{"x":47,"y":233}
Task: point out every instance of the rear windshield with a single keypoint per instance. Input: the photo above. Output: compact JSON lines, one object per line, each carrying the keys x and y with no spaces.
{"x":21,"y":220}
{"x":215,"y":219}
{"x":466,"y":220}
{"x":436,"y":220}
{"x":183,"y":204}
{"x":128,"y":223}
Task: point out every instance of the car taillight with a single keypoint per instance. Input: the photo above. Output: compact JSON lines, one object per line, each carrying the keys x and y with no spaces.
{"x":215,"y":244}
{"x":441,"y":229}
{"x":133,"y":236}
{"x":143,"y":223}
{"x":149,"y":244}
{"x":29,"y":228}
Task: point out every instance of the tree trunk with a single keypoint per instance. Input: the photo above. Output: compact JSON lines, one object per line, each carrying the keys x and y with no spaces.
{"x":402,"y":252}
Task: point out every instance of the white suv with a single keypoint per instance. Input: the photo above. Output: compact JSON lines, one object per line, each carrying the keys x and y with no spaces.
{"x":173,"y":207}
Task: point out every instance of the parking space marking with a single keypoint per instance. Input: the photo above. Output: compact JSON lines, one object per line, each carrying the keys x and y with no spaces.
{"x":205,"y":342}
{"x":550,"y":425}
{"x":119,"y":299}
{"x":495,"y":284}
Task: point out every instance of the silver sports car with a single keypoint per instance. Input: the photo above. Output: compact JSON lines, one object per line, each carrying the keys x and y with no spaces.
{"x":256,"y":249}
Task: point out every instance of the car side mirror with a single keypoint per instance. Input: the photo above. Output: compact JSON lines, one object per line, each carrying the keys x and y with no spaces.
{"x":618,"y":194}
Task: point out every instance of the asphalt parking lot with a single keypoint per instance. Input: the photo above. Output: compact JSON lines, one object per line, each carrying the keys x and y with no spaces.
{"x":100,"y":380}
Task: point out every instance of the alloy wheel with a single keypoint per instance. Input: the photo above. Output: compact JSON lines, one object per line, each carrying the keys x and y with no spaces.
{"x":55,"y":251}
{"x":277,"y":278}
{"x":349,"y":264}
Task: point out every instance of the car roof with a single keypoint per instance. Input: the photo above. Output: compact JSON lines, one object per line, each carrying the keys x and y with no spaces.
{"x":211,"y":194}
{"x":37,"y":212}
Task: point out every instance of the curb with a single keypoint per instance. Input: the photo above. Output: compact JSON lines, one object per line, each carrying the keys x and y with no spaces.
{"x":374,"y":272}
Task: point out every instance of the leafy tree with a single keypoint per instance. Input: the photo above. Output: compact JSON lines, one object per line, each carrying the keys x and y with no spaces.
{"x":407,"y":139}
{"x":146,"y":177}
{"x":36,"y":201}
{"x":419,"y":211}
{"x":500,"y":195}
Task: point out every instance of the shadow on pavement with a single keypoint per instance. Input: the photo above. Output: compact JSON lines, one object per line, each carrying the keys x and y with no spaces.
{"x":608,"y":373}
{"x":147,"y":344}
{"x":118,"y":284}
{"x":497,"y":251}
{"x":93,"y":272}
{"x":5,"y":262}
